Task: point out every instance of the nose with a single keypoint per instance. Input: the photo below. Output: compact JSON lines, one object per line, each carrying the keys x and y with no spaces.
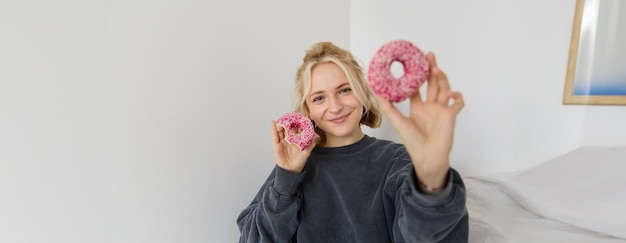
{"x":335,"y":105}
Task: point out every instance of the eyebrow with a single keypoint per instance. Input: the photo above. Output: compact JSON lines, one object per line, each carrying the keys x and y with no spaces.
{"x":338,"y":87}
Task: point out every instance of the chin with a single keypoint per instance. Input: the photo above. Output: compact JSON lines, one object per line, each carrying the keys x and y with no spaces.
{"x":343,"y":131}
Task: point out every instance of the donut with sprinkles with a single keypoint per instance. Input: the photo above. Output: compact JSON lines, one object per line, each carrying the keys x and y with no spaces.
{"x":416,"y":70}
{"x":298,"y":129}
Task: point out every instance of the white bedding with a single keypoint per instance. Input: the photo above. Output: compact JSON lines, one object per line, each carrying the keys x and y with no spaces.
{"x":578,"y":197}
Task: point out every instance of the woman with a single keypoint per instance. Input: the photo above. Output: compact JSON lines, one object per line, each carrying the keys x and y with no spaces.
{"x":350,"y":187}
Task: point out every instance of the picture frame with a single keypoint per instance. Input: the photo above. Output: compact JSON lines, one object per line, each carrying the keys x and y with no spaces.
{"x":596,"y":70}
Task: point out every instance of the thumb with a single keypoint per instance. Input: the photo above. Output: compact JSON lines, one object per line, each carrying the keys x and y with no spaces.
{"x":394,"y":115}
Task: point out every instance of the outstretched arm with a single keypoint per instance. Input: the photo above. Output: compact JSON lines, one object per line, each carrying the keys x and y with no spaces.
{"x":428,"y":131}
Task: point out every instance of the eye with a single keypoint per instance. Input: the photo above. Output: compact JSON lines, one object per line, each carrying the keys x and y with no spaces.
{"x":317,"y":99}
{"x":345,"y":90}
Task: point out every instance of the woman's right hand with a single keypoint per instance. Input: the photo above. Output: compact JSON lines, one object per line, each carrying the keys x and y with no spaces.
{"x":289,"y":156}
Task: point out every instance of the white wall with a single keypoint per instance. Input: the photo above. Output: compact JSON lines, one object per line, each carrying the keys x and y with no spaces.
{"x":509,"y":59}
{"x":604,"y":126}
{"x":144,"y":121}
{"x":54,"y":122}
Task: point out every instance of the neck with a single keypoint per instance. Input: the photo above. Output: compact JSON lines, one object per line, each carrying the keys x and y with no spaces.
{"x":343,"y":141}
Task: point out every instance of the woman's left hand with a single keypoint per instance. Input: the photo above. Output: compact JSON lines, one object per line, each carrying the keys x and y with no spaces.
{"x":428,"y":131}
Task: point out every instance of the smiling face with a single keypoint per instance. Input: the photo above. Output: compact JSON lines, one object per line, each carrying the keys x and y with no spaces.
{"x":328,"y":60}
{"x":333,"y":105}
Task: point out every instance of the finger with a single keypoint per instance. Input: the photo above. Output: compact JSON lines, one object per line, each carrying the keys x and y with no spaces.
{"x":394,"y":115}
{"x":459,"y":102}
{"x":444,"y":86}
{"x":415,"y":99}
{"x":275,"y":135}
{"x":433,"y":84}
{"x":432,"y":60}
{"x":280,"y":130}
{"x":384,"y":103}
{"x":433,"y":88}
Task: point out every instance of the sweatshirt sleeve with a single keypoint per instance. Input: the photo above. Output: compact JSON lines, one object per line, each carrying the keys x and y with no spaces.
{"x":272,"y":216}
{"x":420,"y":217}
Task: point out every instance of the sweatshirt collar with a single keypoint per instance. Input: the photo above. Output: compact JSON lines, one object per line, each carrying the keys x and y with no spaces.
{"x":348,"y":149}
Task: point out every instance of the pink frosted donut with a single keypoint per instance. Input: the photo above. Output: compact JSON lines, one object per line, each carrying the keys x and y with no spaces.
{"x":303,"y":135}
{"x":415,"y":70}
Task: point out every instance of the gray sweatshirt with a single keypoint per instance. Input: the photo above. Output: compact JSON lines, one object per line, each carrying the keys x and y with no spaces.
{"x":364,"y":192}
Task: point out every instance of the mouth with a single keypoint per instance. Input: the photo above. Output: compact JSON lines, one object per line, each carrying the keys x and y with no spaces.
{"x":340,"y":119}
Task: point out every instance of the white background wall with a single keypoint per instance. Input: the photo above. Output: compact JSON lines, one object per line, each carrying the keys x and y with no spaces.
{"x":122,"y":121}
{"x":144,"y":121}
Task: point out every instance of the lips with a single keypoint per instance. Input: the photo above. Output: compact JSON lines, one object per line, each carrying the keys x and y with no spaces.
{"x":340,"y":119}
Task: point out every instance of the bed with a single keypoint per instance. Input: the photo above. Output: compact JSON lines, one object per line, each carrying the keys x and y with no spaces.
{"x":579,"y":197}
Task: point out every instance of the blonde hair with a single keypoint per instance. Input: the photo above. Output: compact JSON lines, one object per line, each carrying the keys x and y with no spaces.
{"x":324,"y":52}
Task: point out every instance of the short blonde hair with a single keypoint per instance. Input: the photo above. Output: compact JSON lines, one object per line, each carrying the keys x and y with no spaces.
{"x":324,"y":52}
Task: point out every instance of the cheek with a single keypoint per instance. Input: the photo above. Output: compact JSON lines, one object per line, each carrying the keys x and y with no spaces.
{"x":353,"y":102}
{"x":315,"y":113}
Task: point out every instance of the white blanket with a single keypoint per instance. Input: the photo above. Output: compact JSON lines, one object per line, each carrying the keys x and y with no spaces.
{"x":585,"y":189}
